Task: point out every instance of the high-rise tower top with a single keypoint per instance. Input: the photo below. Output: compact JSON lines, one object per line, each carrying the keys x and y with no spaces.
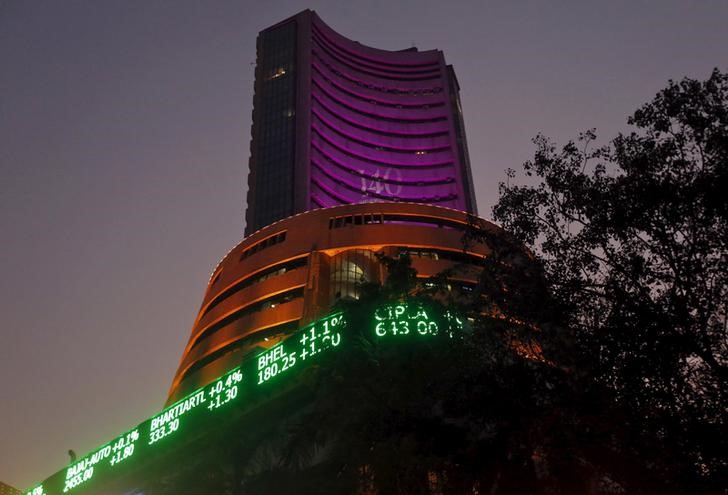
{"x":337,"y":122}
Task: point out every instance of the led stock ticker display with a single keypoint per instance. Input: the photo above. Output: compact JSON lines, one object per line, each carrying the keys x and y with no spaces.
{"x":302,"y":346}
{"x":394,"y":320}
{"x":145,"y":436}
{"x":323,"y":336}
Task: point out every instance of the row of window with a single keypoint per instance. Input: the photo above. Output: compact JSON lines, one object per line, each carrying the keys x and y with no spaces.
{"x":374,"y":101}
{"x":381,"y":161}
{"x":265,"y":243}
{"x":273,"y":271}
{"x":289,"y":327}
{"x":442,"y":254}
{"x":382,"y":218}
{"x":395,"y":133}
{"x":269,"y":302}
{"x":379,"y":146}
{"x":272,"y":332}
{"x":420,"y":253}
{"x":341,"y":103}
{"x":382,"y":191}
{"x":375,"y":177}
{"x":339,"y":276}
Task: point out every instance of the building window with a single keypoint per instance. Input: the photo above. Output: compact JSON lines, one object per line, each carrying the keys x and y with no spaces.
{"x":260,"y":245}
{"x":349,"y":270}
{"x":248,"y":310}
{"x":364,"y":219}
{"x":270,"y":272}
{"x":421,"y":253}
{"x":278,"y":72}
{"x":460,"y":257}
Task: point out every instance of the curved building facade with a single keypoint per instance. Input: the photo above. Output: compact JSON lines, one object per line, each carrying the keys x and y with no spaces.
{"x":290,"y":273}
{"x":336,"y":122}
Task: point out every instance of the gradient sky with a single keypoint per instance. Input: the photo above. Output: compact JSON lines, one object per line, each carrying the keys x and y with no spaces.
{"x":124,"y":137}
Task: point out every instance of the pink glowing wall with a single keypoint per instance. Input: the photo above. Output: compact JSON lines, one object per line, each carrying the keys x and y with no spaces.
{"x":370,"y":125}
{"x":381,"y":125}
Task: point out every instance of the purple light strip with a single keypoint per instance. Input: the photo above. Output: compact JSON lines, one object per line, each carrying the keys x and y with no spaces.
{"x":383,"y":161}
{"x":426,"y":133}
{"x":375,"y":72}
{"x":447,"y":195}
{"x":395,"y":113}
{"x":367,"y":164}
{"x":388,"y":58}
{"x":412,"y":182}
{"x":389,"y":83}
{"x":434,"y":102}
{"x":387,"y":147}
{"x":332,"y":193}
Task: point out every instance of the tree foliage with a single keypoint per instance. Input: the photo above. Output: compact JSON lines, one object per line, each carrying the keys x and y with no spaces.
{"x":633,"y":239}
{"x":500,"y":409}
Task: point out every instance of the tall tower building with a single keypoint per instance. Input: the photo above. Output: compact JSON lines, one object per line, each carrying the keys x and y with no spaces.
{"x":290,"y":273}
{"x":370,"y":139}
{"x":356,"y":153}
{"x":336,"y":122}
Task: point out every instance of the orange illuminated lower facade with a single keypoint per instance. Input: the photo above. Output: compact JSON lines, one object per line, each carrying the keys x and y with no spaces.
{"x":291,"y":272}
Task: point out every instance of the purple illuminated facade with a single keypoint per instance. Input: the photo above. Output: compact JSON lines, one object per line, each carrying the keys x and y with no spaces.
{"x":336,"y":122}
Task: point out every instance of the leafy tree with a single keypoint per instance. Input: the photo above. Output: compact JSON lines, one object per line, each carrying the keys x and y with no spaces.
{"x":633,"y":240}
{"x":468,"y":414}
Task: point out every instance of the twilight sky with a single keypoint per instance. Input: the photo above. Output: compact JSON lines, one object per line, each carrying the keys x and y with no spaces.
{"x":124,"y":135}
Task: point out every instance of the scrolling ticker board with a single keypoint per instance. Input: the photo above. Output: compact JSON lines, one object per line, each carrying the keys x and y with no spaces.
{"x":203,"y":407}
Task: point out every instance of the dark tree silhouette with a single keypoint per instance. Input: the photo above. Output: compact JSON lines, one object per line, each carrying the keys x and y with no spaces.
{"x":478,"y":412}
{"x":633,"y":238}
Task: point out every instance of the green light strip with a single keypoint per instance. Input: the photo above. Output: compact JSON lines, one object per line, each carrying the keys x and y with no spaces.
{"x":400,"y":319}
{"x":159,"y":427}
{"x":305,"y":344}
{"x":390,"y":321}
